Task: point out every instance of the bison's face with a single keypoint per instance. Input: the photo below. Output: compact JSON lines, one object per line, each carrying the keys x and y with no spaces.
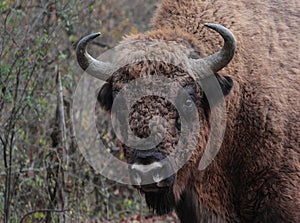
{"x":165,"y":125}
{"x":161,"y":127}
{"x":148,"y":119}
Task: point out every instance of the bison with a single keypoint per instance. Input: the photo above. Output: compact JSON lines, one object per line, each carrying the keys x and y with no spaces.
{"x":255,"y":176}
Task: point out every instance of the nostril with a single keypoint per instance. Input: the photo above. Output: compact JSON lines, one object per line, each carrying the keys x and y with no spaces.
{"x":136,"y":178}
{"x":157,"y":176}
{"x":162,"y":173}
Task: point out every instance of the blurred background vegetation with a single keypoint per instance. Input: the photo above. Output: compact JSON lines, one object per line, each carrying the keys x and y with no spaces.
{"x":43,"y":176}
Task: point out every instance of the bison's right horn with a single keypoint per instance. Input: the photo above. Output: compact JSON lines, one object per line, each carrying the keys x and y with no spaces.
{"x":220,"y":59}
{"x":96,"y":68}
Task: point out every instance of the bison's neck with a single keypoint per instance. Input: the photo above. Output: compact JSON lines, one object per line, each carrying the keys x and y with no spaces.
{"x":191,"y":209}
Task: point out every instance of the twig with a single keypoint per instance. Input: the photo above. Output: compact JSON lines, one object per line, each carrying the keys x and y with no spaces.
{"x":41,"y":210}
{"x":22,"y":171}
{"x":141,"y":208}
{"x":60,"y":104}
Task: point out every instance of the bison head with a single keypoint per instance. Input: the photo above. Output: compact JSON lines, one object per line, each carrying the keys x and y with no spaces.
{"x":156,"y":89}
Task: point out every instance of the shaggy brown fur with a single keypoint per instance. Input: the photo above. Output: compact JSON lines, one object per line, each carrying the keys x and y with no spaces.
{"x":259,"y":163}
{"x":256,"y":175}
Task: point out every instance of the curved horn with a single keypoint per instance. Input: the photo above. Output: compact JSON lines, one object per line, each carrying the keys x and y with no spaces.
{"x":96,"y":68}
{"x":220,"y":59}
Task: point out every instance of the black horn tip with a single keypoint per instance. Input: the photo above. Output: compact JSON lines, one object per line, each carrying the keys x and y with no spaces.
{"x":214,"y":26}
{"x":225,"y":33}
{"x":91,"y":36}
{"x":86,"y":39}
{"x":210,"y":25}
{"x":94,"y":35}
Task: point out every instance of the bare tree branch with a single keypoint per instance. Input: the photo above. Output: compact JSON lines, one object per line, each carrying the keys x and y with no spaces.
{"x":65,"y":158}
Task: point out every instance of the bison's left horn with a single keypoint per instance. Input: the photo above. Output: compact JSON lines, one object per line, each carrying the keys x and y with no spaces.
{"x":92,"y":66}
{"x":220,"y":59}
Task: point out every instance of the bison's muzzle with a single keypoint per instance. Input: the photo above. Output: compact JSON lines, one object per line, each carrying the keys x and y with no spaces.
{"x":151,"y":171}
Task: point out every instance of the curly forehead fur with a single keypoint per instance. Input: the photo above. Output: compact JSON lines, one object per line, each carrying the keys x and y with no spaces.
{"x":156,"y":49}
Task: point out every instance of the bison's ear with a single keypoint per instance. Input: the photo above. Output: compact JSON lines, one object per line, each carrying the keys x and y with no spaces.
{"x":105,"y":97}
{"x":225,"y":82}
{"x":209,"y":85}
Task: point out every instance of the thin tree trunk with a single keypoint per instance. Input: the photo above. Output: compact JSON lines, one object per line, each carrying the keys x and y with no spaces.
{"x":63,"y":201}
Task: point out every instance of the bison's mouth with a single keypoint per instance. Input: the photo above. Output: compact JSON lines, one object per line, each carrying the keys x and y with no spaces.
{"x":157,"y":187}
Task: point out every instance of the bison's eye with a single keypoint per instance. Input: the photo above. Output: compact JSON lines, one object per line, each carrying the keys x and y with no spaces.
{"x":188,"y":103}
